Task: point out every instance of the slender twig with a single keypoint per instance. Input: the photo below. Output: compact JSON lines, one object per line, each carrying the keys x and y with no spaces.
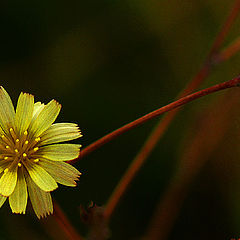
{"x":64,"y":224}
{"x":212,"y":59}
{"x":109,"y":137}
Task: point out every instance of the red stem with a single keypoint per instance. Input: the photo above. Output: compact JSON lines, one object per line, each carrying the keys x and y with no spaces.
{"x":228,"y":84}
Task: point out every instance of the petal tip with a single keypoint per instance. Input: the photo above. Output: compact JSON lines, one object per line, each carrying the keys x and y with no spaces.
{"x":44,"y":215}
{"x":2,"y":90}
{"x":18,"y":212}
{"x":56,"y":102}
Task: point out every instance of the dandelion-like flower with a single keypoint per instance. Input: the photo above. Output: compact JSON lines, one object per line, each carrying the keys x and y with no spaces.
{"x":32,"y":157}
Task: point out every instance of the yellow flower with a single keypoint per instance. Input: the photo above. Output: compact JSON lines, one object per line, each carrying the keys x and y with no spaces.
{"x":31,"y":158}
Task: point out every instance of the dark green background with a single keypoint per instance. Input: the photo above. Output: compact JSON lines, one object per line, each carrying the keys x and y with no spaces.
{"x":108,"y":63}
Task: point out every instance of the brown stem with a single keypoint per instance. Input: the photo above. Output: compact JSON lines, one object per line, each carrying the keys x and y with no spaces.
{"x":228,"y":84}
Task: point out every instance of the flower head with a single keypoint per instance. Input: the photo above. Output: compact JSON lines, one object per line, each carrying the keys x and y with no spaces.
{"x":32,"y":157}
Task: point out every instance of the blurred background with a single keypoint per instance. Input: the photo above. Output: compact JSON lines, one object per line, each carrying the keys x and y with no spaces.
{"x":108,"y":63}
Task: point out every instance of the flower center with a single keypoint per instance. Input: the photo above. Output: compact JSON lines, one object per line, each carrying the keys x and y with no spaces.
{"x":19,"y":149}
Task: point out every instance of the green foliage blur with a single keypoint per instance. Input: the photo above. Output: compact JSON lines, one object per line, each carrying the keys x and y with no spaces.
{"x":108,"y":63}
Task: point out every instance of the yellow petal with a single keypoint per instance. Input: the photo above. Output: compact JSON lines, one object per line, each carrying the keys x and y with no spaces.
{"x":60,"y":132}
{"x":41,"y":200}
{"x":62,"y":172}
{"x":18,"y":199}
{"x":44,"y":119}
{"x":40,"y":177}
{"x":38,"y":107}
{"x":2,"y":200}
{"x":8,"y":180}
{"x":7,"y":113}
{"x":59,"y":152}
{"x":24,"y":112}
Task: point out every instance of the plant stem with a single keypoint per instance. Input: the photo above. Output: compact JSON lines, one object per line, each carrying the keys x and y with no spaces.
{"x":212,"y":59}
{"x":228,"y":84}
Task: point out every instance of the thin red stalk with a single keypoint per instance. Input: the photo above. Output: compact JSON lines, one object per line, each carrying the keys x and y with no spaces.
{"x":109,"y":137}
{"x":158,"y":131}
{"x":64,"y":224}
